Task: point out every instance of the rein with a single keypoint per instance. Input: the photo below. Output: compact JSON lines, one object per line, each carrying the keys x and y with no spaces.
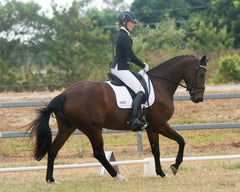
{"x":189,"y":89}
{"x":173,"y":82}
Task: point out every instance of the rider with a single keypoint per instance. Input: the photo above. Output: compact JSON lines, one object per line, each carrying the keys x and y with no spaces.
{"x":120,"y":64}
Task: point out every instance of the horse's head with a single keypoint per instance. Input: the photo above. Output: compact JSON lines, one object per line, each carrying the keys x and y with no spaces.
{"x":196,"y":80}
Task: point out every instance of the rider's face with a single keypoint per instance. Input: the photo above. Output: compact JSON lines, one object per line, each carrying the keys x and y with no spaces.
{"x":130,"y":25}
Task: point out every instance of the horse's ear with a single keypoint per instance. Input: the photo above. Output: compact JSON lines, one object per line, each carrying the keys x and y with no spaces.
{"x":203,"y":59}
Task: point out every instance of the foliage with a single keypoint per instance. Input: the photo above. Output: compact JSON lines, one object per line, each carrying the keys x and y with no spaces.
{"x":8,"y":75}
{"x":155,"y":10}
{"x":226,"y":13}
{"x":206,"y":38}
{"x":166,"y":35}
{"x":21,"y":29}
{"x":229,"y":70}
{"x":76,"y":46}
{"x":37,"y":52}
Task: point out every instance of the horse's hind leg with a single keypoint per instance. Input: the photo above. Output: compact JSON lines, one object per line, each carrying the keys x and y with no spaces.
{"x":96,"y":140}
{"x":61,"y":137}
{"x":167,"y":131}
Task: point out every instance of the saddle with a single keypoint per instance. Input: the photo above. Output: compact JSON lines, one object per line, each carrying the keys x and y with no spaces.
{"x":116,"y":81}
{"x":124,"y":95}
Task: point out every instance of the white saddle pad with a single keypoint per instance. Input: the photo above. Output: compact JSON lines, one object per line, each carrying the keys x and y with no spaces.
{"x":123,"y":97}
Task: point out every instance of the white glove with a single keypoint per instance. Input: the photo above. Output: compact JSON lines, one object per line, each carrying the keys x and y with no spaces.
{"x":146,"y":68}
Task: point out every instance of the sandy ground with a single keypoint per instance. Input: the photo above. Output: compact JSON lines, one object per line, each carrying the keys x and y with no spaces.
{"x":18,"y":152}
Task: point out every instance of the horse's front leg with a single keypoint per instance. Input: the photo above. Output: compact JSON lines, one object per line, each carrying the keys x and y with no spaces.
{"x":154,"y":142}
{"x":167,"y":131}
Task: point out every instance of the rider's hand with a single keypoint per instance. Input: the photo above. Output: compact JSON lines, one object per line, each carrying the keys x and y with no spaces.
{"x":146,"y":68}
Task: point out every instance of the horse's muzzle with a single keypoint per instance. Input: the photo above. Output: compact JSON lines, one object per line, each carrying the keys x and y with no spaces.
{"x":196,"y":100}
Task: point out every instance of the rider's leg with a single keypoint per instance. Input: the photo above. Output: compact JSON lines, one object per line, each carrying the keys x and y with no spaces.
{"x":137,"y":101}
{"x":131,"y":81}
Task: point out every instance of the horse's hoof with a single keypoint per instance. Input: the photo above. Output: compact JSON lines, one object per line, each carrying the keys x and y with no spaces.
{"x":120,"y":178}
{"x":166,"y":176}
{"x":53,"y":182}
{"x":174,"y":170}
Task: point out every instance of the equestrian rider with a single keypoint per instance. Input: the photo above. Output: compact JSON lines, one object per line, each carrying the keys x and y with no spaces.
{"x":120,"y":64}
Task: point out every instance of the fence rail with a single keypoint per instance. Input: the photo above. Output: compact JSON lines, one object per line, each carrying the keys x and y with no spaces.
{"x":176,"y":98}
{"x":148,"y":164}
{"x":139,"y":135}
{"x":176,"y":127}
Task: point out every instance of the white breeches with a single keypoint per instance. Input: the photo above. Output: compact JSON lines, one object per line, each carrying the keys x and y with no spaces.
{"x":128,"y":78}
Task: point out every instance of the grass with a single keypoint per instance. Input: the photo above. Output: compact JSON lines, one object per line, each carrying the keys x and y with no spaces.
{"x":234,"y":166}
{"x":194,"y":176}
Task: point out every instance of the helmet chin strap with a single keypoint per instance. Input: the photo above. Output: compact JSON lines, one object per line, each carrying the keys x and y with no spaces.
{"x":125,"y":25}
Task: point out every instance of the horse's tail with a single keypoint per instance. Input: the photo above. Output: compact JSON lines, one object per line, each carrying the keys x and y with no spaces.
{"x":40,"y":126}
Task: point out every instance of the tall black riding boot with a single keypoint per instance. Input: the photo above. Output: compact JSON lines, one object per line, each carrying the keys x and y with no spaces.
{"x":137,"y":101}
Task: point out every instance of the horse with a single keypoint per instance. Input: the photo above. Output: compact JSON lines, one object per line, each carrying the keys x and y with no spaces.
{"x":89,"y":106}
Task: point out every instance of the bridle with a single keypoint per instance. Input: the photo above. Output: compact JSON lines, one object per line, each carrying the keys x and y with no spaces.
{"x":193,"y":86}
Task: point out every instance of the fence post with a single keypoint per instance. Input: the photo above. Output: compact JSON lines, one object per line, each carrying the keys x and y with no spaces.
{"x":139,"y":142}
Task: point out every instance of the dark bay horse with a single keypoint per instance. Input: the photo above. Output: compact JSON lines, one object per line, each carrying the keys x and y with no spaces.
{"x":89,"y":106}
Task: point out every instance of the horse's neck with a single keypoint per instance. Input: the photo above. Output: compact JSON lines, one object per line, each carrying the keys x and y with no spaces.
{"x":173,"y":73}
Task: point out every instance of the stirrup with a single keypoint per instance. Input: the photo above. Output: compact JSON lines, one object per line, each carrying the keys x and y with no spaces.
{"x":137,"y":125}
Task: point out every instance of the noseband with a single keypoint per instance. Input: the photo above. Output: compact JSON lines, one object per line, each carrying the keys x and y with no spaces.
{"x":194,"y":82}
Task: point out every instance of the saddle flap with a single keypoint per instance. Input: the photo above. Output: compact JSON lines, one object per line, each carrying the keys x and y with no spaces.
{"x":124,"y":94}
{"x":116,"y":81}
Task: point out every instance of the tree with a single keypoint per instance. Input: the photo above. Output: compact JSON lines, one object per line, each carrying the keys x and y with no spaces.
{"x":226,"y":13}
{"x":75,"y":47}
{"x":207,"y":38}
{"x":20,"y":28}
{"x":165,"y":35}
{"x":153,"y":11}
{"x":107,"y":18}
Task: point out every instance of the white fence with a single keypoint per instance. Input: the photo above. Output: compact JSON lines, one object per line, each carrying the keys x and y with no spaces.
{"x":149,"y":167}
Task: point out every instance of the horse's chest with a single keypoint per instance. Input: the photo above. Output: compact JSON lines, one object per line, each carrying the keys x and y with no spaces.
{"x":165,"y":108}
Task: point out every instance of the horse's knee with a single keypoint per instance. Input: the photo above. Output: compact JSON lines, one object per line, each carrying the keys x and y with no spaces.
{"x":181,"y":141}
{"x":99,"y":155}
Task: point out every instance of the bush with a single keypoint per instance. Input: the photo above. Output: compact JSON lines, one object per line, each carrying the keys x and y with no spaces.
{"x":229,"y":70}
{"x":165,"y":35}
{"x":206,"y":38}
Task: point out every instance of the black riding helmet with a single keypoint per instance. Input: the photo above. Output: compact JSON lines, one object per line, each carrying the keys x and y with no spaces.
{"x":126,"y":16}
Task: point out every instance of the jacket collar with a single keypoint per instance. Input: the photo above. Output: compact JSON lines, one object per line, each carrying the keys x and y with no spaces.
{"x":125,"y":30}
